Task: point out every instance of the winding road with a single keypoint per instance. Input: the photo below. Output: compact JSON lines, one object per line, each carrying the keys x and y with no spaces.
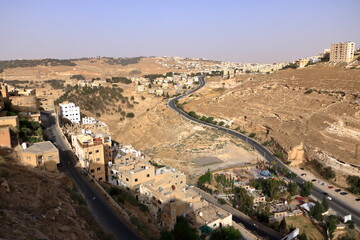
{"x":337,"y":204}
{"x":100,"y":208}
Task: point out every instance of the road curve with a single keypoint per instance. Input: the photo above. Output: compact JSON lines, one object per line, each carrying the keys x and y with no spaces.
{"x":336,"y":204}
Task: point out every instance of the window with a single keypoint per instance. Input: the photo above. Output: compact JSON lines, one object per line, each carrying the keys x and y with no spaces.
{"x":136,"y":179}
{"x":214,"y":225}
{"x":97,"y":151}
{"x":147,"y":175}
{"x":100,"y":179}
{"x":50,"y":158}
{"x":98,"y":159}
{"x":98,"y":169}
{"x":92,"y":170}
{"x":127,"y":179}
{"x":181,"y":182}
{"x":90,"y":152}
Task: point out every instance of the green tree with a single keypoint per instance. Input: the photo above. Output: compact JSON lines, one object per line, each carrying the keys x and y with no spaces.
{"x":225,"y":233}
{"x":282,"y":226}
{"x":325,"y":204}
{"x":306,"y":189}
{"x":329,"y":173}
{"x":317,"y":211}
{"x":166,"y":235}
{"x":292,"y":188}
{"x":243,"y":201}
{"x":302,"y":236}
{"x":183,"y":231}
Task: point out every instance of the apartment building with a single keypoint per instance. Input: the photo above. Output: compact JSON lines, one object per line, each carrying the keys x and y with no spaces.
{"x":42,"y":154}
{"x":70,"y":111}
{"x":93,"y":152}
{"x":342,"y":52}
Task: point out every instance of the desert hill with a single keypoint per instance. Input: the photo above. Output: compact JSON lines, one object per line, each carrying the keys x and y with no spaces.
{"x":318,"y":105}
{"x":41,"y":205}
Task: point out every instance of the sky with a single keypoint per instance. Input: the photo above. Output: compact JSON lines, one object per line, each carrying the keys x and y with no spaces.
{"x":263,"y":31}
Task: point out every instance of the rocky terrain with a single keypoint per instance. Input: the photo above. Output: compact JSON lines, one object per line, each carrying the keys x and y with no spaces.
{"x":318,"y":106}
{"x":35,"y":204}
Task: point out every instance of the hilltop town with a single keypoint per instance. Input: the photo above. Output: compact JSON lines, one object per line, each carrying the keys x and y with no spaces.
{"x":102,"y":132}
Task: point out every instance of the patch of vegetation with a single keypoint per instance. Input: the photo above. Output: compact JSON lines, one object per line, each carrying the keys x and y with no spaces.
{"x":182,"y":231}
{"x":306,"y":189}
{"x":119,"y":80}
{"x":56,"y":84}
{"x":243,"y":201}
{"x":290,"y":66}
{"x":270,"y":187}
{"x":354,"y":183}
{"x":326,"y":172}
{"x":76,"y":197}
{"x":30,"y":131}
{"x":205,"y":178}
{"x":252,"y":135}
{"x":15,"y":83}
{"x":309,"y":91}
{"x":36,"y":62}
{"x":97,"y":100}
{"x":130,"y":115}
{"x":4,"y":172}
{"x":226,"y":233}
{"x":156,"y":164}
{"x":122,"y":61}
{"x":78,"y":77}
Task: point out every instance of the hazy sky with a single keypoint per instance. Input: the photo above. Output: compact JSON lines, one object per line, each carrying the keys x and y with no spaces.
{"x":238,"y":30}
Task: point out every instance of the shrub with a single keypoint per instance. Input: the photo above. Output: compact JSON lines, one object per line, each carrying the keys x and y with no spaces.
{"x":114,"y":191}
{"x":252,"y":135}
{"x":4,"y":172}
{"x":144,"y":208}
{"x":308,"y":91}
{"x":130,"y":115}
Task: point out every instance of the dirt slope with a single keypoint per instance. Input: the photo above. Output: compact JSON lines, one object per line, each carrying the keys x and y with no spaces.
{"x":318,"y":105}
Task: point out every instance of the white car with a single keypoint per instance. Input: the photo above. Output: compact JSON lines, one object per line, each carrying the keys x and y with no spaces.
{"x":329,"y":198}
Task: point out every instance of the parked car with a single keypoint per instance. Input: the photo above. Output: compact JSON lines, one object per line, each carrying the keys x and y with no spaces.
{"x":331,"y":187}
{"x":358,"y":199}
{"x":343,"y":193}
{"x":303,"y":174}
{"x":338,"y":190}
{"x":329,"y":198}
{"x":302,"y":168}
{"x":313,"y":180}
{"x":325,"y":193}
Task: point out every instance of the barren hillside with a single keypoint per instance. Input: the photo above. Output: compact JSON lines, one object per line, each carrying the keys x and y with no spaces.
{"x":92,"y":68}
{"x":41,"y":205}
{"x":318,"y":105}
{"x":169,"y":139}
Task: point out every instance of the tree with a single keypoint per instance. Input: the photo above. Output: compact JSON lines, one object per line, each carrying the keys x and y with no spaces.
{"x":282,"y":226}
{"x":306,"y":189}
{"x":130,"y":115}
{"x":225,"y":233}
{"x":302,"y":236}
{"x":166,"y":235}
{"x":325,"y":204}
{"x":292,"y":188}
{"x":183,"y":231}
{"x":329,"y":173}
{"x":243,"y":201}
{"x":317,"y":212}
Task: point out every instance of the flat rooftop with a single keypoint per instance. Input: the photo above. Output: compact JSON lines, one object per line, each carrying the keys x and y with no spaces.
{"x":41,"y":147}
{"x":8,"y":117}
{"x":206,"y":215}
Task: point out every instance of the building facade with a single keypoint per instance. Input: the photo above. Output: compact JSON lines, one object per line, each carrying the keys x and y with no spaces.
{"x":70,"y":111}
{"x":342,"y":52}
{"x":42,"y":154}
{"x":5,"y":136}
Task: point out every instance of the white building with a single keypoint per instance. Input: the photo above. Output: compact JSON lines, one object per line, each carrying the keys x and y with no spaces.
{"x":70,"y":111}
{"x":89,"y":120}
{"x":342,"y":52}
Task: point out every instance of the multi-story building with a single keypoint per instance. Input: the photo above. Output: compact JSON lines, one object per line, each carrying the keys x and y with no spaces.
{"x":70,"y":111}
{"x":42,"y":154}
{"x":93,"y":152}
{"x":342,"y":52}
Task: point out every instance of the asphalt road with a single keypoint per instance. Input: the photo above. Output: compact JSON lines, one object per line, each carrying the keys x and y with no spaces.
{"x":106,"y":216}
{"x":338,"y":205}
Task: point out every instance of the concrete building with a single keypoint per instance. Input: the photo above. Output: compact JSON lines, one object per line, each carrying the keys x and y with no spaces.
{"x":5,"y":136}
{"x":12,"y":121}
{"x":342,"y":52}
{"x":4,"y":91}
{"x":303,"y":62}
{"x":32,"y":116}
{"x":70,"y":111}
{"x":42,"y":154}
{"x":209,"y":217}
{"x":93,"y":152}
